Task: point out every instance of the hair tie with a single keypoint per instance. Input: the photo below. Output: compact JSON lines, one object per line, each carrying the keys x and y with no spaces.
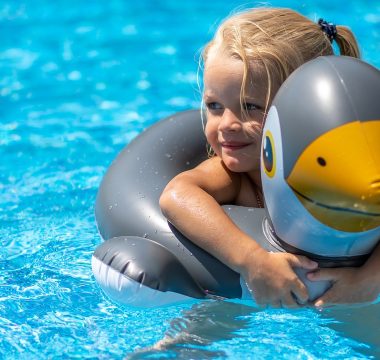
{"x":328,"y":28}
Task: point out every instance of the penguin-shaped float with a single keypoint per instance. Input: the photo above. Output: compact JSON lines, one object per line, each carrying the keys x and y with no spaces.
{"x":321,"y":182}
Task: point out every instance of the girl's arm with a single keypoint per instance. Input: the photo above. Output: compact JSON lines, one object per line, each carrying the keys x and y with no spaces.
{"x":191,"y":202}
{"x":351,"y":285}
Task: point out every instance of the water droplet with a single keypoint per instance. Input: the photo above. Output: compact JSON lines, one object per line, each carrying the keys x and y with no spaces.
{"x":110,"y":207}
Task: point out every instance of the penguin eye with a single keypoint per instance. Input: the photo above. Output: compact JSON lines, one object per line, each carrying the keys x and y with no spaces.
{"x":269,"y":154}
{"x":321,"y":161}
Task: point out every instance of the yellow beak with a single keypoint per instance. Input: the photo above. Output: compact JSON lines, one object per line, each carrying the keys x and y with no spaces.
{"x":337,"y":177}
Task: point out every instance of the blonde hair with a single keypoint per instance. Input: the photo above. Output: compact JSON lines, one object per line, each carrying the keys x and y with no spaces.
{"x":278,"y":40}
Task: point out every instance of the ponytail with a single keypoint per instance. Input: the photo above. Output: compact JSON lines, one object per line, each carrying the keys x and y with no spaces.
{"x":343,"y":37}
{"x":346,"y":41}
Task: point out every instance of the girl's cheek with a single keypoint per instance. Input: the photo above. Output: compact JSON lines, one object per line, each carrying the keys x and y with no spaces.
{"x":254,"y":130}
{"x":207,"y":132}
{"x":212,"y":138}
{"x":210,"y":129}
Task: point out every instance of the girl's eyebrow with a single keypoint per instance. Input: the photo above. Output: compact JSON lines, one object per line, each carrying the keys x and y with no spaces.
{"x":258,"y":98}
{"x":254,"y":94}
{"x":208,"y":95}
{"x":252,"y":98}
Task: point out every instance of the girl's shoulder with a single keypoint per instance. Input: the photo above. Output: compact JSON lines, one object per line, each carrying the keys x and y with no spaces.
{"x":216,"y":179}
{"x":240,"y":187}
{"x":215,"y":166}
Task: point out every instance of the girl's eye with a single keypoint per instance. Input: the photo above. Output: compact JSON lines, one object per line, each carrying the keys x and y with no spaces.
{"x":213,"y":106}
{"x":251,"y":107}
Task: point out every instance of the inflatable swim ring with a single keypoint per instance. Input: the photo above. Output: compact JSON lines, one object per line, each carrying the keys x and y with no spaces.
{"x":321,"y":181}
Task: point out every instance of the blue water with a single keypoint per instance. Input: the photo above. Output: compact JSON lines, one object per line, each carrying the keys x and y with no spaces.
{"x":78,"y":81}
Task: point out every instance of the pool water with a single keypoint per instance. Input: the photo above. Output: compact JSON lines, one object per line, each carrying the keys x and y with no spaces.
{"x":78,"y":81}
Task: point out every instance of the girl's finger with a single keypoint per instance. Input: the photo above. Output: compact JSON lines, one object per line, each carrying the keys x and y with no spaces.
{"x":300,"y":292}
{"x":323,"y":274}
{"x":302,"y":262}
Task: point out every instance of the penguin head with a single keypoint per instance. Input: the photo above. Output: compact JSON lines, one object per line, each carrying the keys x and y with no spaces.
{"x":321,"y":157}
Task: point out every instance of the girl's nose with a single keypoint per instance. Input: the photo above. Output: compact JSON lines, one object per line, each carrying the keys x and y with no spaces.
{"x":229,"y":122}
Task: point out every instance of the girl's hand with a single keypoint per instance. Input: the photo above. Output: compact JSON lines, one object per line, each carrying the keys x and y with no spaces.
{"x":349,"y":286}
{"x":272,"y":280}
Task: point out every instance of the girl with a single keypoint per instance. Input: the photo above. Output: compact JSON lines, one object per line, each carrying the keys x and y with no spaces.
{"x":250,"y":56}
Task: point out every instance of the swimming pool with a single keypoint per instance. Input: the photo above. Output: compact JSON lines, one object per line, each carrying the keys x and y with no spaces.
{"x":79,"y":81}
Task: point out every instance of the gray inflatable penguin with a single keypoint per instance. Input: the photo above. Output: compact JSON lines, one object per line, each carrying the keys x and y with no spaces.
{"x":321,"y":182}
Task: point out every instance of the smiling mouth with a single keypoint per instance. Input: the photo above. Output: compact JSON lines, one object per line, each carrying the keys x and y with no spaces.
{"x":234,"y":146}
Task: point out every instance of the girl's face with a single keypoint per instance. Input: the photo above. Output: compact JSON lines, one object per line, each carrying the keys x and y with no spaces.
{"x":235,"y":137}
